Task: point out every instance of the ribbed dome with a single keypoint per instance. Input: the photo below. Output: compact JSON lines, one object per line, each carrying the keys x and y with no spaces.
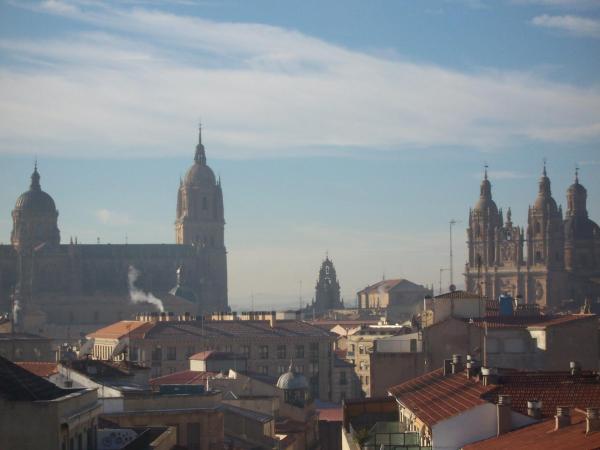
{"x":35,"y":200}
{"x":485,"y":203}
{"x":200,"y":175}
{"x":291,"y":380}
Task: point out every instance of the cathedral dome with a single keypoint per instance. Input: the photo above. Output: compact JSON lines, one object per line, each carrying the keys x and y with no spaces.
{"x":200,"y":175}
{"x":544,"y":198}
{"x":291,"y":380}
{"x":35,"y":200}
{"x":485,"y":203}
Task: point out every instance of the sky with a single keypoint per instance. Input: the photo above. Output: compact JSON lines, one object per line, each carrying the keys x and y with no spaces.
{"x":349,"y":128}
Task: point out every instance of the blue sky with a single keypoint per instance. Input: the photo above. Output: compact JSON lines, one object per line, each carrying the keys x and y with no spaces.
{"x":357,"y":128}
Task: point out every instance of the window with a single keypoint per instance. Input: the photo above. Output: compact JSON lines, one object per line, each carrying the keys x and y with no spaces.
{"x":343,"y":379}
{"x":193,"y":436}
{"x":228,"y":348}
{"x":281,"y":352}
{"x":314,"y":350}
{"x":313,"y":368}
{"x":157,"y":354}
{"x":300,"y":351}
{"x":264,"y":370}
{"x":263,"y":352}
{"x":171,"y":353}
{"x":245,"y":349}
{"x":367,"y":380}
{"x":538,"y":228}
{"x":300,"y":369}
{"x":538,"y":256}
{"x":281,"y":369}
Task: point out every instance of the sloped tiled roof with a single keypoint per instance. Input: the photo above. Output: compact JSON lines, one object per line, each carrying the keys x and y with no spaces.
{"x":386,"y":285}
{"x":551,"y":388}
{"x":18,"y":384}
{"x":458,"y":294}
{"x":214,"y":354}
{"x":41,"y":369}
{"x":541,"y":321}
{"x":117,"y":330}
{"x":183,"y":377}
{"x":543,"y":436}
{"x":434,"y":397}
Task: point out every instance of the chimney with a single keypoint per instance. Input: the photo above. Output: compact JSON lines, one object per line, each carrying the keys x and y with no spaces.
{"x":489,"y":375}
{"x":457,"y":365}
{"x":534,"y":409}
{"x":592,"y":420}
{"x":273,"y":319}
{"x":447,"y":367}
{"x":472,"y":367}
{"x":503,"y":408}
{"x":575,"y":367}
{"x":563,"y":417}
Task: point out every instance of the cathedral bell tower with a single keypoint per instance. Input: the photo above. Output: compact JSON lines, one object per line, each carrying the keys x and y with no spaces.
{"x":200,"y":216}
{"x":545,"y":236}
{"x":200,"y":223}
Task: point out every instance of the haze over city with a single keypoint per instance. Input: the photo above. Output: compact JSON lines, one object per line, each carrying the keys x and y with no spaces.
{"x":350,"y":129}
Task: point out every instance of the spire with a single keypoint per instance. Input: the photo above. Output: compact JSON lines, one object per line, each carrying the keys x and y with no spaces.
{"x":200,"y":156}
{"x":35,"y":178}
{"x":485,"y":168}
{"x":576,"y":174}
{"x":509,"y":217}
{"x":544,"y":171}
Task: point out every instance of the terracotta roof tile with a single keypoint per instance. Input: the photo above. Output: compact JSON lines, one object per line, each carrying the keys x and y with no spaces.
{"x":41,"y":369}
{"x":184,"y":377}
{"x":120,"y":329}
{"x":213,"y":354}
{"x":434,"y":397}
{"x":457,"y":294}
{"x":542,"y":436}
{"x":211,"y":328}
{"x":528,"y":321}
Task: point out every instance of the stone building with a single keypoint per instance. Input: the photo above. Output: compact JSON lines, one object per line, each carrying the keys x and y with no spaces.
{"x":560,"y":262}
{"x":399,"y":298}
{"x":36,"y":414}
{"x":165,"y":343}
{"x":66,"y":289}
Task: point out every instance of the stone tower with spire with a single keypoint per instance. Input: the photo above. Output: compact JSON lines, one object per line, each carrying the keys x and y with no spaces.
{"x":327,"y":289}
{"x":200,"y":222}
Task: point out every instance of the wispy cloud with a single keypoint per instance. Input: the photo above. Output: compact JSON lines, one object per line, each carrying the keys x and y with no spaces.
{"x":575,"y":25}
{"x":112,"y":218}
{"x":137,"y":81}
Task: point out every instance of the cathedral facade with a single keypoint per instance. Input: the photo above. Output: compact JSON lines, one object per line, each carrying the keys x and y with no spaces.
{"x":55,"y":288}
{"x":556,"y":258}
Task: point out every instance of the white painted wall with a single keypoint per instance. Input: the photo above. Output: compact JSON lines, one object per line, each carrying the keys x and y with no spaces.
{"x":471,"y":426}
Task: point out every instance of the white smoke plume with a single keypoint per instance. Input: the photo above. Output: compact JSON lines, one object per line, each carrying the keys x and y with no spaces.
{"x":137,"y":295}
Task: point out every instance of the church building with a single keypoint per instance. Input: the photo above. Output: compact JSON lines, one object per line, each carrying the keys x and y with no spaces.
{"x":560,"y":262}
{"x":65,"y":289}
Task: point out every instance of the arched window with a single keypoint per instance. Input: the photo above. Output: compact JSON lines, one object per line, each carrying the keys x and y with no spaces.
{"x":538,"y":256}
{"x":537,"y":228}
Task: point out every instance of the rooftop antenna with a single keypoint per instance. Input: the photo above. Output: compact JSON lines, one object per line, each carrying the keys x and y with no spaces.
{"x":300,"y":297}
{"x":442,"y":269}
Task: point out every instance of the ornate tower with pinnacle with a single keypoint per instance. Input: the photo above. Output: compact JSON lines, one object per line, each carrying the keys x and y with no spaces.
{"x":200,"y":222}
{"x":327,"y":290}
